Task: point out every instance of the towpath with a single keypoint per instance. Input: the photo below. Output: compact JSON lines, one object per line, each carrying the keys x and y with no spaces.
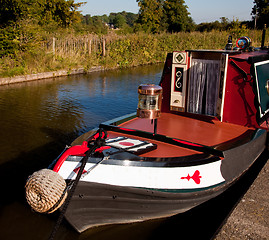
{"x":250,"y":218}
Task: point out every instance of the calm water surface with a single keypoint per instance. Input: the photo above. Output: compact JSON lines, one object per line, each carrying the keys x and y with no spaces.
{"x":38,"y":119}
{"x":38,"y":113}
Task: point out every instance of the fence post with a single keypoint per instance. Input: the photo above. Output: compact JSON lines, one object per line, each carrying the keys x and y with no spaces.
{"x":53,"y":45}
{"x":104,"y":47}
{"x":90,"y":46}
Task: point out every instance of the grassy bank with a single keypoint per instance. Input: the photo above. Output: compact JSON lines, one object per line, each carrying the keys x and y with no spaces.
{"x":36,"y":53}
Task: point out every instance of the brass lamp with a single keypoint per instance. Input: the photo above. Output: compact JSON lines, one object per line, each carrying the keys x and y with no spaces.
{"x":150,"y":101}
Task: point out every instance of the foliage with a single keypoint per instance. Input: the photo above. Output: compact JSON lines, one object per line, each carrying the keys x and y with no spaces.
{"x":60,"y":12}
{"x":261,"y":9}
{"x":223,"y":25}
{"x":121,"y":50}
{"x":150,"y":15}
{"x":237,"y":29}
{"x":13,"y":10}
{"x":164,"y":15}
{"x":176,"y":15}
{"x":21,"y":36}
{"x":120,"y":20}
{"x":101,"y":24}
{"x":94,"y":24}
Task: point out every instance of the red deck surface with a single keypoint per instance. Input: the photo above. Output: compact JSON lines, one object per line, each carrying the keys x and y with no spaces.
{"x":185,"y":128}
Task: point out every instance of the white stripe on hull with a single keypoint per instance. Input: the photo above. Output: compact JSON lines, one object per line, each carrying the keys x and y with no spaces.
{"x":193,"y":177}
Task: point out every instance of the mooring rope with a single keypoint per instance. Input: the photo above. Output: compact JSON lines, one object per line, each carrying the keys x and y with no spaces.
{"x":100,"y":141}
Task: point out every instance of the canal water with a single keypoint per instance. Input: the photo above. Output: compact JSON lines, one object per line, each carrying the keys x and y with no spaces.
{"x":37,"y":120}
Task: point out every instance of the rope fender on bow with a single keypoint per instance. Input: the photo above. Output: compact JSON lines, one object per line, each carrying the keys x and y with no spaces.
{"x":46,"y":190}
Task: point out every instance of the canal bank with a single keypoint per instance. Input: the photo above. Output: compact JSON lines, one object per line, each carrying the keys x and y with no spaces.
{"x":250,"y":217}
{"x":45,"y":75}
{"x":53,"y":74}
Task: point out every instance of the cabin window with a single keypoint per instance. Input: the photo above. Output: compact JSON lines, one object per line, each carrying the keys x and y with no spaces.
{"x":203,"y":86}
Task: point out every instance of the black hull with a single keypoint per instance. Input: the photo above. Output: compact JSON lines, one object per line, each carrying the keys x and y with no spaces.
{"x":96,"y":204}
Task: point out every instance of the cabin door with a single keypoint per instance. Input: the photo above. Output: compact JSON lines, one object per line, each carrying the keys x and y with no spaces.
{"x":262,"y":83}
{"x":203,"y":86}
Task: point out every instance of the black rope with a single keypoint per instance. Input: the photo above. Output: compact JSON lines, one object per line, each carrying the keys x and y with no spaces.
{"x":242,"y":71}
{"x":98,"y":143}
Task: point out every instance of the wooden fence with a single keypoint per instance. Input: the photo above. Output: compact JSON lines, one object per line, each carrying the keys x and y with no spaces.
{"x":91,"y":44}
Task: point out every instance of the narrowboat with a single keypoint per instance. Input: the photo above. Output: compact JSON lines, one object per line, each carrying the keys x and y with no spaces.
{"x":191,"y":137}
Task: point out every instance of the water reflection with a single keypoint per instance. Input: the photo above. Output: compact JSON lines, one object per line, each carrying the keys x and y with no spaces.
{"x":37,"y":119}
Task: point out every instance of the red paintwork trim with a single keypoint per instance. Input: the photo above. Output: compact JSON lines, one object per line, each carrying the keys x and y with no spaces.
{"x":78,"y":150}
{"x":95,"y":136}
{"x":187,"y":143}
{"x":101,"y":149}
{"x":127,"y":129}
{"x":75,"y":150}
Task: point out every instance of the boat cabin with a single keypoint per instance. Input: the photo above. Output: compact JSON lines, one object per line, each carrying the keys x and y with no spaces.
{"x":232,"y":86}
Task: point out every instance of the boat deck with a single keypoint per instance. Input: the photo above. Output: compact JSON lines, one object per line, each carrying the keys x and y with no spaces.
{"x":209,"y":133}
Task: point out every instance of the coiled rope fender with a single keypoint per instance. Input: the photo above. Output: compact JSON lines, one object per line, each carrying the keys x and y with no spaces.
{"x":45,"y":191}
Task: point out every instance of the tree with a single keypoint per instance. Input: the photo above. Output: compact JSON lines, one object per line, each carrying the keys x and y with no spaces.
{"x":150,"y":15}
{"x":130,"y":18}
{"x":159,"y":15}
{"x":119,"y":21}
{"x":63,"y":12}
{"x":261,"y":11}
{"x":224,"y":21}
{"x":122,"y":18}
{"x":95,"y":24}
{"x":13,"y":10}
{"x":177,"y":15}
{"x":60,"y":12}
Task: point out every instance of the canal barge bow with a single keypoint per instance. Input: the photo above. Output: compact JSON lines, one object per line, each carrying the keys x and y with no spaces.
{"x":193,"y":136}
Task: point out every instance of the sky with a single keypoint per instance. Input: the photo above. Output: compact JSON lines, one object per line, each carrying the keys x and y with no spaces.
{"x":201,"y":10}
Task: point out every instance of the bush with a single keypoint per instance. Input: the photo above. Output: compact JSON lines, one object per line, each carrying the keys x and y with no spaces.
{"x":25,"y":49}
